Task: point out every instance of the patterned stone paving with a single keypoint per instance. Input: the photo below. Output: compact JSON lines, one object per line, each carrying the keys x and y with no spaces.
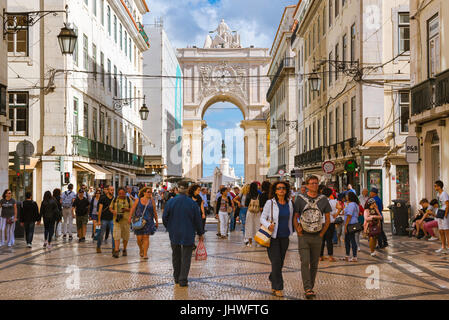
{"x":408,"y":269}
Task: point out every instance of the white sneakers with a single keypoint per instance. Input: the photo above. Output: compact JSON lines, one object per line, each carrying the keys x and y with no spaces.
{"x":443,"y":251}
{"x":433,"y":239}
{"x":373,"y":254}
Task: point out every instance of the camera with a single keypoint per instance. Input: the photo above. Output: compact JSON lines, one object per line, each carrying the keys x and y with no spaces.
{"x":119,"y":217}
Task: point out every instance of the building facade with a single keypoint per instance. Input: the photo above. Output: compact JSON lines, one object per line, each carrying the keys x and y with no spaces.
{"x":4,"y":122}
{"x":429,"y":96}
{"x":163,"y":157}
{"x":282,"y":99}
{"x":358,"y":51}
{"x":80,"y":111}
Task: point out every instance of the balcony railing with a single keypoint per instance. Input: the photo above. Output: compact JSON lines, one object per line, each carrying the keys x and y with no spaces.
{"x":423,"y":96}
{"x":442,"y":88}
{"x":99,"y":151}
{"x":143,"y":34}
{"x":310,"y":157}
{"x":285,"y":63}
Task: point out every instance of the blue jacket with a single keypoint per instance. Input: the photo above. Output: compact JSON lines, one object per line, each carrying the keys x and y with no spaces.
{"x":182,"y":218}
{"x":379,"y":204}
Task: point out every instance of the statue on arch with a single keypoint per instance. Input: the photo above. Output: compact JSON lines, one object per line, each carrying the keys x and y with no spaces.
{"x":224,"y":38}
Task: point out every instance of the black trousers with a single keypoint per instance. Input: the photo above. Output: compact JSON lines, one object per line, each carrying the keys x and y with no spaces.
{"x":328,"y":241}
{"x":382,"y":238}
{"x":181,"y":258}
{"x":29,"y":231}
{"x":276,"y":253}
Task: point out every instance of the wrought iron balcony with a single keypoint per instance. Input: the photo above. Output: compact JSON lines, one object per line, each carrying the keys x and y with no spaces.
{"x":143,"y":34}
{"x":310,"y":157}
{"x":95,"y":150}
{"x":423,"y":96}
{"x":442,"y":88}
{"x":285,"y":63}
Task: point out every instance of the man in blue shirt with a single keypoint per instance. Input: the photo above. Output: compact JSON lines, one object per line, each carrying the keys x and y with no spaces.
{"x":182,"y":218}
{"x":382,"y":239}
{"x":203,"y":195}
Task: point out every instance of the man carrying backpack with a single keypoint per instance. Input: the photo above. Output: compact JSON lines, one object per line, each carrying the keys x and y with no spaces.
{"x":311,"y":221}
{"x":120,"y":208}
{"x":67,"y":199}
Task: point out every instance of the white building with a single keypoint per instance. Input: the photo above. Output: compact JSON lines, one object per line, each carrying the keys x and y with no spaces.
{"x":67,"y":105}
{"x":164,"y":99}
{"x":4,"y":123}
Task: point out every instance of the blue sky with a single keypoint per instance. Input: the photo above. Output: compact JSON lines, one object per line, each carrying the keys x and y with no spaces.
{"x":188,"y":22}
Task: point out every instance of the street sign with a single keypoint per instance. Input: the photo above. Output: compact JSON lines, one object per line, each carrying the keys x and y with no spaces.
{"x":328,"y":167}
{"x":412,"y":149}
{"x":281,"y":172}
{"x":25,"y":149}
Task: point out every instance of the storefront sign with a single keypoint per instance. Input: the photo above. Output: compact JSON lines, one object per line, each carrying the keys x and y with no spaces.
{"x":412,"y":149}
{"x":328,"y":167}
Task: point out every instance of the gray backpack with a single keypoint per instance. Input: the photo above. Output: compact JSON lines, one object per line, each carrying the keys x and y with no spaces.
{"x":311,"y":219}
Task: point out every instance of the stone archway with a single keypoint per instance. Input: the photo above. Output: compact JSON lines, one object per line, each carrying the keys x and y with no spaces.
{"x":225,"y":72}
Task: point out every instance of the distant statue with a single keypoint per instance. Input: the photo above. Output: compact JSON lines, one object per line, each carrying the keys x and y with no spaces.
{"x":224,"y":38}
{"x":223,"y":149}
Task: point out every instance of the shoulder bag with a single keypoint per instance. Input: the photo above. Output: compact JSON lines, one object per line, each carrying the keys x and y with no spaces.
{"x":356,"y":227}
{"x":441,"y":213}
{"x":139,"y":223}
{"x":263,"y":236}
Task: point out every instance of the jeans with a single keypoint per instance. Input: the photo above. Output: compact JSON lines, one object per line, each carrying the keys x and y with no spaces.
{"x":276,"y":253}
{"x":104,"y":225}
{"x":181,"y":259}
{"x":232,"y":226}
{"x":334,"y":237}
{"x":29,"y":231}
{"x":309,"y":246}
{"x":49,"y":229}
{"x":357,"y":239}
{"x":328,"y":239}
{"x":67,"y":222}
{"x":7,"y":231}
{"x":242,"y":216}
{"x":350,"y":242}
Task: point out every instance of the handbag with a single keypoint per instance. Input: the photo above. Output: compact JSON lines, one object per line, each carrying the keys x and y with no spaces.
{"x":139,"y":223}
{"x":339,"y":220}
{"x":374,"y":229}
{"x":441,"y":213}
{"x":200,"y":253}
{"x":263,"y":236}
{"x":356,"y":227}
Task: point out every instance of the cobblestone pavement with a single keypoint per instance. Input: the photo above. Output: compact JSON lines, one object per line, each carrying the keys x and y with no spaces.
{"x":408,"y":269}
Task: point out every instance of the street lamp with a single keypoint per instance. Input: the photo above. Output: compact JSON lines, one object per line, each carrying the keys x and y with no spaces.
{"x":144,"y":111}
{"x":315,"y":82}
{"x":67,"y":40}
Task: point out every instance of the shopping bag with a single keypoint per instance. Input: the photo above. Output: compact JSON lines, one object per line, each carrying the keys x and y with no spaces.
{"x":200,"y":253}
{"x":97,"y":232}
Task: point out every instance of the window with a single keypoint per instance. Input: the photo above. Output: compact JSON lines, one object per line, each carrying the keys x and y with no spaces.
{"x":86,"y":120}
{"x":86,"y":52}
{"x":314,"y":36}
{"x":126,"y":44}
{"x":404,"y":32}
{"x":318,"y":133}
{"x":337,"y":8}
{"x":433,"y":32}
{"x":95,"y":123}
{"x":121,"y":85}
{"x":94,"y":7}
{"x":130,"y":95}
{"x":116,"y":134}
{"x":121,"y":39}
{"x":345,"y":120}
{"x":115,"y":28}
{"x":314,"y":137}
{"x":353,"y":43}
{"x":324,"y":130}
{"x":330,"y":13}
{"x":125,"y":94}
{"x":337,"y":125}
{"x":109,"y":136}
{"x":115,"y":82}
{"x":324,"y":21}
{"x":3,"y":95}
{"x":331,"y":128}
{"x":102,"y":67}
{"x":102,"y":130}
{"x":75,"y":117}
{"x":18,"y":40}
{"x":330,"y":69}
{"x":310,"y":45}
{"x":345,"y":47}
{"x":305,"y":140}
{"x":318,"y":30}
{"x":404,"y":107}
{"x":18,"y":113}
{"x":353,"y":117}
{"x":130,"y":52}
{"x":102,"y":12}
{"x":109,"y":20}
{"x":337,"y":58}
{"x":75,"y":51}
{"x":94,"y":61}
{"x":86,"y":2}
{"x":109,"y":76}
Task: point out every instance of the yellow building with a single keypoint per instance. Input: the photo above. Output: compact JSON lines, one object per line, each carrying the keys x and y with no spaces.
{"x":429,"y":95}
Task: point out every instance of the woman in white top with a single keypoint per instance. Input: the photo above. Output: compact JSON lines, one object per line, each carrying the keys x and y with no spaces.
{"x":277,"y":216}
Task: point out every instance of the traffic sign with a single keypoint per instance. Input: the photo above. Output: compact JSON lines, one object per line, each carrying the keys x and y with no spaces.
{"x":328,"y":167}
{"x":25,"y":149}
{"x":412,"y":149}
{"x":281,"y":172}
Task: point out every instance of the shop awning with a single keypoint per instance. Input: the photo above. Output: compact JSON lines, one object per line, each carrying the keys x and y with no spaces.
{"x":100,"y":172}
{"x":124,"y":172}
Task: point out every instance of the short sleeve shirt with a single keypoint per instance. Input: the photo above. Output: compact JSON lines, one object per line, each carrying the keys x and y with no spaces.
{"x":442,"y":198}
{"x":7,"y":208}
{"x":121,"y":204}
{"x":106,"y":214}
{"x":81,"y":206}
{"x":352,"y":212}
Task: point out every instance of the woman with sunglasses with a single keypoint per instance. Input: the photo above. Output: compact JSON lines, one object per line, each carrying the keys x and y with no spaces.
{"x":93,"y":214}
{"x":8,"y":218}
{"x":281,"y":208}
{"x":144,"y":206}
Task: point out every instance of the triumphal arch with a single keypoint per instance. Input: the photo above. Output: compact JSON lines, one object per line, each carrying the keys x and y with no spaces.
{"x":224,"y":71}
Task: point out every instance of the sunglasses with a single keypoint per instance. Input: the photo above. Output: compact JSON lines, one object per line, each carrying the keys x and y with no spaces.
{"x":281,"y":188}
